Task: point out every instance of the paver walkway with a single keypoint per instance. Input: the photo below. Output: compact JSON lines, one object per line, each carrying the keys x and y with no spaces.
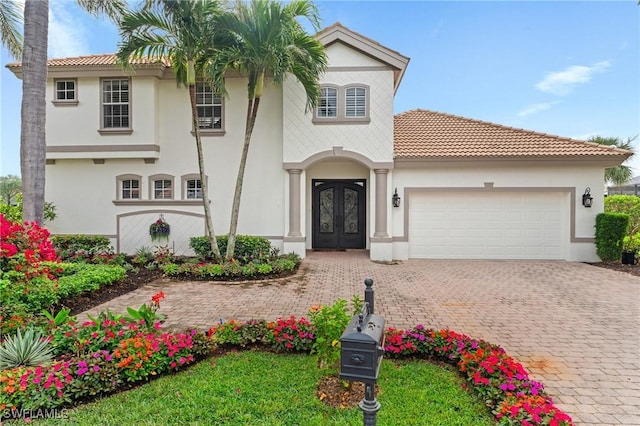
{"x":575,"y":327}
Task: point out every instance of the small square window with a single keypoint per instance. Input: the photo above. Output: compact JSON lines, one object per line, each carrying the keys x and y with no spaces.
{"x":65,"y":90}
{"x":131,"y":189}
{"x":194,"y":189}
{"x":162,"y":189}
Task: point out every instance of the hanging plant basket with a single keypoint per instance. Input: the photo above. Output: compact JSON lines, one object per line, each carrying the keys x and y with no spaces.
{"x":160,"y":230}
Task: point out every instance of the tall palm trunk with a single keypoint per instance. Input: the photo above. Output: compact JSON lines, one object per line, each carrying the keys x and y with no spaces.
{"x":203,"y":181}
{"x":252,"y":112}
{"x":33,"y":143}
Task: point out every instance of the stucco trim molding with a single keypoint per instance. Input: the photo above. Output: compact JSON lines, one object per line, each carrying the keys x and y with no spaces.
{"x":160,"y":202}
{"x":338,"y":152}
{"x":294,"y":239}
{"x":488,"y":187}
{"x":380,"y":239}
{"x":103,"y":148}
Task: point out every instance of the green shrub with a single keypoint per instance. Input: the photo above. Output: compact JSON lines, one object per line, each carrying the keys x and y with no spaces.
{"x":629,"y":204}
{"x":13,"y":212}
{"x":247,"y":247}
{"x":89,"y":277}
{"x":611,"y":229}
{"x":81,"y":247}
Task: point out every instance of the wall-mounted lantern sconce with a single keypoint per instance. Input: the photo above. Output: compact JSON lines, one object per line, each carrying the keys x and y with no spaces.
{"x":395,"y":199}
{"x":587,"y":199}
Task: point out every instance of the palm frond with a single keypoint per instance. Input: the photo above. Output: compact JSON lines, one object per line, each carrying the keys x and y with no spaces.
{"x":10,"y":24}
{"x":114,"y":9}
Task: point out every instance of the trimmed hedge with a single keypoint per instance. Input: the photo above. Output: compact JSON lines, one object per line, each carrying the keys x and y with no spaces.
{"x":247,"y":246}
{"x":67,"y":246}
{"x":611,"y":229}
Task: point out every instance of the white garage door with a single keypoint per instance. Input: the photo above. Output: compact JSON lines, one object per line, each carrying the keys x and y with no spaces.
{"x":488,"y":225}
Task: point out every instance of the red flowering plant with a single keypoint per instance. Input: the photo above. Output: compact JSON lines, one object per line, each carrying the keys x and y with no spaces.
{"x":148,"y":314}
{"x":27,"y":263}
{"x":103,"y":332}
{"x":291,"y":334}
{"x":23,"y":249}
{"x":502,"y":382}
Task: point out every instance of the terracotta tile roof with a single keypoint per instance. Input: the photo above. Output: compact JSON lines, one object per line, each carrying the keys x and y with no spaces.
{"x":424,"y":134}
{"x":107,"y":59}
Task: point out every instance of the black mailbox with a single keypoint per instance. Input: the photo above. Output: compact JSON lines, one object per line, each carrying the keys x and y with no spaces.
{"x":362,"y":346}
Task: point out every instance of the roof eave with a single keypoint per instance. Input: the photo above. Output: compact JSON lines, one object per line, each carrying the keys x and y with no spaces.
{"x":541,"y":160}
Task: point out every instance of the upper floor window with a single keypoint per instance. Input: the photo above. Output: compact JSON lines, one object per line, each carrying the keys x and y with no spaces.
{"x":355,"y":102}
{"x":328,"y":104}
{"x":343,"y":105}
{"x":115,"y":103}
{"x":209,"y":105}
{"x":129,"y":187}
{"x":65,"y":92}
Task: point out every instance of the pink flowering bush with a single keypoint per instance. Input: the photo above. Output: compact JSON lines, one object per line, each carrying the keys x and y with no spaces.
{"x":497,"y":378}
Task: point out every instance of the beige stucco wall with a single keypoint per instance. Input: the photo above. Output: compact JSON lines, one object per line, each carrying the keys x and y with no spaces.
{"x":84,"y":192}
{"x":79,"y":124}
{"x":302,"y":138}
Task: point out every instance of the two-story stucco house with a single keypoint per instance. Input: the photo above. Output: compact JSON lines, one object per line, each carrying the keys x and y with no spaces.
{"x":120,"y":152}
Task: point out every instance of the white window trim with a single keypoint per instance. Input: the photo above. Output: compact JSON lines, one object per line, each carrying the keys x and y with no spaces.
{"x":153,"y":179}
{"x":129,"y":176}
{"x":342,"y":102}
{"x":115,"y":130}
{"x":65,"y":102}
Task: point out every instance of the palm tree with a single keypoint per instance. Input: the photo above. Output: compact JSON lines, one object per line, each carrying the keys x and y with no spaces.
{"x":185,"y":34}
{"x":10,"y":23}
{"x":32,"y":126}
{"x":620,"y":175}
{"x":34,"y":82}
{"x":270,"y":42}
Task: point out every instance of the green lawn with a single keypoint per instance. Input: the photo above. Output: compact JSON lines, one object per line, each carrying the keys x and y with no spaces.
{"x":260,"y":388}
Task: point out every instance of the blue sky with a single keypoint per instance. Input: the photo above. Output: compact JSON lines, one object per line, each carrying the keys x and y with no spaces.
{"x":561,"y":67}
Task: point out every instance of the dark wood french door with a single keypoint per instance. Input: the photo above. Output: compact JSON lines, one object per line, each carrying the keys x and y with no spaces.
{"x":339,"y":214}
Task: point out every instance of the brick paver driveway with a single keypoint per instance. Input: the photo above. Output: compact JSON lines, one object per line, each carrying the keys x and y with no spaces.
{"x":575,"y":327}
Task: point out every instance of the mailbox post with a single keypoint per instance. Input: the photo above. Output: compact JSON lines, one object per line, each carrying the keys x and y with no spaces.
{"x":361,"y":349}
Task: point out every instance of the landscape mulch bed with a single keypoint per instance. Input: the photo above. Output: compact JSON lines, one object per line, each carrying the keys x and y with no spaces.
{"x":617,"y":266}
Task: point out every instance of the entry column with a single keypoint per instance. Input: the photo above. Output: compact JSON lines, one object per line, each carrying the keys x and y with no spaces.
{"x":294,"y":241}
{"x":294,"y":203}
{"x":381,"y":203}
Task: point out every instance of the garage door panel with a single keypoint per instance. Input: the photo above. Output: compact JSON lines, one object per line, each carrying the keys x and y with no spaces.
{"x":498,"y":225}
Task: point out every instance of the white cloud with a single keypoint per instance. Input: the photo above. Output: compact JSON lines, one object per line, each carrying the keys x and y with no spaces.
{"x":535,"y":108}
{"x":562,"y":82}
{"x":67,"y":34}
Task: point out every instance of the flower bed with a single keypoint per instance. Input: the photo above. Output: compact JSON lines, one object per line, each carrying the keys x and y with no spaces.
{"x":114,"y":353}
